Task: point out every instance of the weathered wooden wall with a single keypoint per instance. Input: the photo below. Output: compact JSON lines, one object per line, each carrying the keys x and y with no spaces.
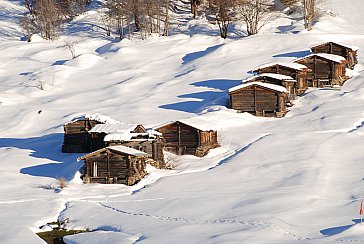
{"x":334,"y":48}
{"x":299,"y":87}
{"x":259,"y":101}
{"x":324,"y":72}
{"x":183,"y":139}
{"x":76,"y":136}
{"x":114,"y":168}
{"x":154,"y":149}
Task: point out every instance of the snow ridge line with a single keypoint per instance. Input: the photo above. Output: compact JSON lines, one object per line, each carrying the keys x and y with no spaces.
{"x":252,"y":223}
{"x":238,"y":151}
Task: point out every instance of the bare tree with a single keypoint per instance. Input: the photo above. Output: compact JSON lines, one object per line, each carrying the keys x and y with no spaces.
{"x":27,"y":23}
{"x":48,"y":19}
{"x":255,"y":14}
{"x":311,"y":9}
{"x":308,"y":13}
{"x":71,"y":46}
{"x":222,"y":10}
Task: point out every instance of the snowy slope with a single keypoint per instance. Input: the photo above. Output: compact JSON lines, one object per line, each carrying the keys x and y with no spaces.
{"x":273,"y":180}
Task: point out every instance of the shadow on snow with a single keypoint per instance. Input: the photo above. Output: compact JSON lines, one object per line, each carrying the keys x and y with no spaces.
{"x":196,"y":55}
{"x":200,"y":99}
{"x":45,"y":147}
{"x":298,"y":54}
{"x":338,"y":229}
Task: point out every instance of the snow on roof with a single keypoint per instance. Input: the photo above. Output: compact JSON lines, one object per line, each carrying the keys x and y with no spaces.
{"x":266,"y":85}
{"x":285,"y":64}
{"x":127,"y":136}
{"x":271,"y":75}
{"x":332,"y":57}
{"x":113,"y":128}
{"x":199,"y":123}
{"x":128,"y":150}
{"x":352,"y":47}
{"x":96,"y":116}
{"x":119,"y":148}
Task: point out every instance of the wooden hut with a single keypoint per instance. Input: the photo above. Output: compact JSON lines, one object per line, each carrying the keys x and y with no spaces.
{"x":294,"y":70}
{"x":130,"y":135}
{"x":189,"y":137}
{"x":260,"y":99}
{"x":348,"y":52}
{"x":276,"y":79}
{"x":77,"y":138}
{"x":114,"y":165}
{"x":326,"y":69}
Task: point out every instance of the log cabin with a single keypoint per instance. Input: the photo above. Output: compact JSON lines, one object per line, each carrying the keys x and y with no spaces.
{"x":294,"y":70}
{"x":260,"y":99}
{"x":189,"y":137}
{"x":348,"y":52}
{"x":326,"y":69}
{"x":130,"y":135}
{"x":276,"y":79}
{"x":114,"y":165}
{"x":77,"y":138}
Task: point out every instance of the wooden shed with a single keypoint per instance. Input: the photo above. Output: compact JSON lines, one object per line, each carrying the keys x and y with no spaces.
{"x":326,"y":69}
{"x":294,"y":70}
{"x":189,"y":137}
{"x":276,"y":79}
{"x":130,"y":135}
{"x":348,"y":52}
{"x":77,"y":138}
{"x":260,"y":99}
{"x":114,"y":165}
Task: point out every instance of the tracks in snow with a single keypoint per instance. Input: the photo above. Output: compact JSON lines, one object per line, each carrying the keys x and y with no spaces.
{"x":250,"y":223}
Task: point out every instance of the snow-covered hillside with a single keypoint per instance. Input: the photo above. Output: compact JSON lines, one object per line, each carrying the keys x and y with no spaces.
{"x":297,"y":178}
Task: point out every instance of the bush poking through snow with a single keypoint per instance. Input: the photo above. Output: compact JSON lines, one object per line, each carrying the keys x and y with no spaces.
{"x":62,"y":182}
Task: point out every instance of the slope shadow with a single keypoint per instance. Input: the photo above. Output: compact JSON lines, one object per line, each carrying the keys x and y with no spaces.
{"x":338,"y":229}
{"x":46,"y":148}
{"x":196,"y":55}
{"x":200,"y":99}
{"x":298,"y":54}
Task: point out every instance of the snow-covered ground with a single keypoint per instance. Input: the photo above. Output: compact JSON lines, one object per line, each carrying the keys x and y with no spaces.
{"x":297,"y":178}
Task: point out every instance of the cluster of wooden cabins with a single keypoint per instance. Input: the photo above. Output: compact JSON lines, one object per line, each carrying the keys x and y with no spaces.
{"x":275,"y":85}
{"x":118,"y":153}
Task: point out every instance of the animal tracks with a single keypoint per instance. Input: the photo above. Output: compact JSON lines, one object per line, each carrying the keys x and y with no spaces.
{"x":252,"y":223}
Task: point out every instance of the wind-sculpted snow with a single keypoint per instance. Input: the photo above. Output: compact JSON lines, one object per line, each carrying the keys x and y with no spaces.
{"x":297,"y":178}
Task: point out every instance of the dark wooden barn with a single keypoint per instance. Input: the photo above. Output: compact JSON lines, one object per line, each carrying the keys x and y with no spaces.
{"x":114,"y":165}
{"x":326,"y":69}
{"x":276,"y":79}
{"x":130,"y":135}
{"x":348,"y":52}
{"x":189,"y":137}
{"x":77,"y":138}
{"x":294,"y":70}
{"x":260,"y":99}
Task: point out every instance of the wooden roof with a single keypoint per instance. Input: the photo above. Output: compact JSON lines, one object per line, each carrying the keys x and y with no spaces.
{"x":194,"y":122}
{"x":270,"y":75}
{"x":121,"y":149}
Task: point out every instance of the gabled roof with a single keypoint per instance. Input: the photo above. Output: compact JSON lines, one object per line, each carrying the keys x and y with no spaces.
{"x":96,"y":117}
{"x":290,"y":65}
{"x":114,"y":128}
{"x":354,"y":48}
{"x":196,"y":122}
{"x":121,"y":149}
{"x":265,"y":85}
{"x":327,"y":56}
{"x":270,"y":75}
